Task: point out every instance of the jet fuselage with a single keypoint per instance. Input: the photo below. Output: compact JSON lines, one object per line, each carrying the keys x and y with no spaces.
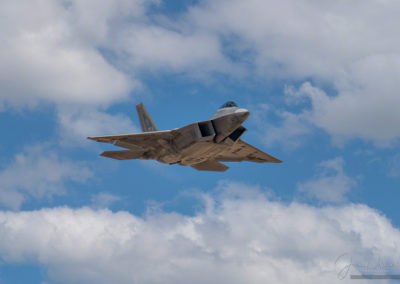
{"x":202,"y":140}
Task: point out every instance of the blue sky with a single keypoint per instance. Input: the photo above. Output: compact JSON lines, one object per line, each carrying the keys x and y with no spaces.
{"x":320,"y":80}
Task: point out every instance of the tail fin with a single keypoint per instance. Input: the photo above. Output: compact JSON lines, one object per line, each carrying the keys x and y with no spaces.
{"x":145,"y":120}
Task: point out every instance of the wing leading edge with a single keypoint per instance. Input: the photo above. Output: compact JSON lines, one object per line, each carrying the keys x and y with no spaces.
{"x":135,"y":141}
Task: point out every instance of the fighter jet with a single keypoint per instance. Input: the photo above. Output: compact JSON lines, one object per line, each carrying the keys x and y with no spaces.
{"x":201,"y":145}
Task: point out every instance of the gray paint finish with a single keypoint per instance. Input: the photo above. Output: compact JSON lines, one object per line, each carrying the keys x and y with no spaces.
{"x":202,"y":145}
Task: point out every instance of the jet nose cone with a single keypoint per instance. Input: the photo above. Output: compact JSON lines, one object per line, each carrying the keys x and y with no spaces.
{"x":242,"y":113}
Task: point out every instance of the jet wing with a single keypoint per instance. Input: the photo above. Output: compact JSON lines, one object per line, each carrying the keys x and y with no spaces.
{"x":210,"y":166}
{"x":137,"y":141}
{"x":241,"y":151}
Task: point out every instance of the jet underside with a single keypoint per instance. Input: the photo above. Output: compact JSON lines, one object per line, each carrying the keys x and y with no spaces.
{"x":202,"y":145}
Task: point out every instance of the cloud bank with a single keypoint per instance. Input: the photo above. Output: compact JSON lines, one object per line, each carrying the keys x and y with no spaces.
{"x":95,"y":54}
{"x":241,"y":236}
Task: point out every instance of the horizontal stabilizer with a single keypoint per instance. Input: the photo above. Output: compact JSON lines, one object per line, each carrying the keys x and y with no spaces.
{"x":122,"y":155}
{"x":210,"y":166}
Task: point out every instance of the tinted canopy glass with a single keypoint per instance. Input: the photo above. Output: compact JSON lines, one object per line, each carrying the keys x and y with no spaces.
{"x":229,"y":104}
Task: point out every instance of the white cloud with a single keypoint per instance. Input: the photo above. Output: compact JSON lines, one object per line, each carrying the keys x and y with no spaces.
{"x":76,"y":124}
{"x":240,"y":237}
{"x":38,"y":173}
{"x":104,"y":200}
{"x":304,"y":38}
{"x":336,"y":42}
{"x":53,"y":54}
{"x":153,"y":48}
{"x":353,"y":113}
{"x":330,"y":184}
{"x":67,"y":52}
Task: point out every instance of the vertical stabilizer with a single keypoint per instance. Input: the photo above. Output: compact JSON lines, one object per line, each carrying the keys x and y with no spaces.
{"x":145,"y":120}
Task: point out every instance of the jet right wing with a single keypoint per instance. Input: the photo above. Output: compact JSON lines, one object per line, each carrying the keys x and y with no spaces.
{"x":138,"y":141}
{"x":241,"y":151}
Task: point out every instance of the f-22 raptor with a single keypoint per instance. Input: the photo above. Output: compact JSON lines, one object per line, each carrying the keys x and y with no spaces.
{"x":201,"y":145}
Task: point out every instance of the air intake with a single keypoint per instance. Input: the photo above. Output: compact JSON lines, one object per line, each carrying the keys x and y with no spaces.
{"x":206,"y":128}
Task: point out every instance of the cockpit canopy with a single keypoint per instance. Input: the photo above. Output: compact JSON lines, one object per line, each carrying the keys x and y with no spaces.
{"x":229,"y":104}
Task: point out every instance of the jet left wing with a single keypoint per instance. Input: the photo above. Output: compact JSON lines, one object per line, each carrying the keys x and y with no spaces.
{"x":136,"y":141}
{"x":241,"y":151}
